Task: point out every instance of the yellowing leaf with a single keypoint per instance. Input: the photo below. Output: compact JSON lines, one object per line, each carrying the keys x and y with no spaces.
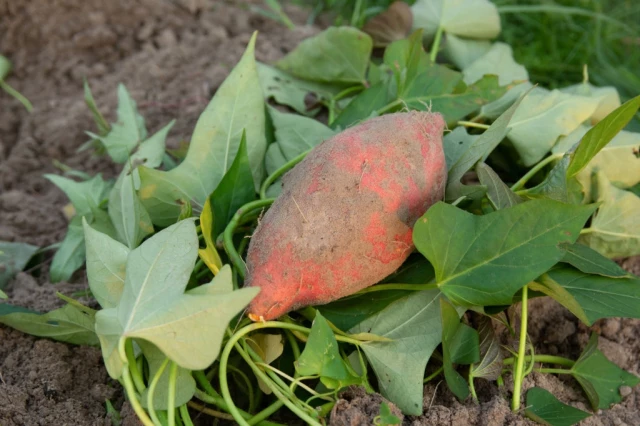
{"x":608,"y":98}
{"x":498,"y":61}
{"x":466,"y":18}
{"x":209,"y":254}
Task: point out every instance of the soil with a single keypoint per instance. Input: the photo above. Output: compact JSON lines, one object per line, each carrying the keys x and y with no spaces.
{"x":172,"y":55}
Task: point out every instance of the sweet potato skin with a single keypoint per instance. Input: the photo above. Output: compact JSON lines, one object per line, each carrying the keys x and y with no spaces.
{"x":345,"y":216}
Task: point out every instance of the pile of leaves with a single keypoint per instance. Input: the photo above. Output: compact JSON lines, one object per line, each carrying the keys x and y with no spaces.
{"x":163,"y":243}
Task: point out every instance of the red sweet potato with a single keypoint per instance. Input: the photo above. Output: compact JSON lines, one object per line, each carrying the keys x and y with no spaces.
{"x":345,"y":216}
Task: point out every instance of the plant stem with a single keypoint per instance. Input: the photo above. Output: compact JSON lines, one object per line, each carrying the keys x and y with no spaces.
{"x":436,"y":44}
{"x":248,"y":384}
{"x":17,"y":95}
{"x":474,"y":125}
{"x":228,"y":232}
{"x":279,"y":172}
{"x":171,"y":397}
{"x":152,"y":390}
{"x":209,"y":411}
{"x":133,"y":399}
{"x":519,"y":184}
{"x":184,"y":414}
{"x":586,"y":231}
{"x":135,"y":372}
{"x":517,"y":375}
{"x":356,"y":13}
{"x":472,"y":387}
{"x":546,"y":359}
{"x":553,"y":371}
{"x":433,"y":375}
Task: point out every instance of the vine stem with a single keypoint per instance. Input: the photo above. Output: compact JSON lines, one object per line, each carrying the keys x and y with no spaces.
{"x":152,"y":390}
{"x":184,"y":414}
{"x":518,"y":375}
{"x":228,"y":232}
{"x":279,"y":172}
{"x":546,"y":359}
{"x":129,"y":386}
{"x":436,"y":44}
{"x":524,"y":179}
{"x":171,"y":397}
{"x":474,"y":125}
{"x":553,"y":371}
{"x":13,"y":92}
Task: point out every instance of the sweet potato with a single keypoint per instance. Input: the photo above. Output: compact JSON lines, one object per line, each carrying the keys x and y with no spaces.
{"x":344,"y":219}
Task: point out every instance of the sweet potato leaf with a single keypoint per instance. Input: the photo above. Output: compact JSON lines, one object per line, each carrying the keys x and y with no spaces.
{"x":209,"y":254}
{"x":463,"y":52}
{"x":85,"y":196}
{"x":477,"y":19}
{"x":13,"y":258}
{"x":490,"y":365}
{"x":364,"y":105}
{"x":336,"y":55}
{"x":601,"y":134}
{"x":484,"y":260}
{"x":499,"y":194}
{"x":590,"y":261}
{"x":127,"y":132}
{"x":557,"y":186}
{"x":237,"y":105}
{"x":479,"y":148}
{"x":591,"y":297}
{"x":450,"y":328}
{"x":600,"y":378}
{"x":413,"y":323}
{"x":67,"y":324}
{"x":543,"y":117}
{"x":106,"y":266}
{"x":187,"y":328}
{"x":615,"y":228}
{"x":321,"y":357}
{"x":498,"y":60}
{"x":542,"y":407}
{"x":406,"y":58}
{"x":455,"y":144}
{"x":101,"y":123}
{"x":608,"y":98}
{"x":235,"y":189}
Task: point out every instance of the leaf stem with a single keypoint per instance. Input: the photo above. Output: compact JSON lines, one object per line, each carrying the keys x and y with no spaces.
{"x":518,"y":373}
{"x":474,"y":125}
{"x":436,"y":44}
{"x":535,"y":169}
{"x":546,"y":359}
{"x":171,"y":397}
{"x":472,"y":387}
{"x":135,"y":372}
{"x":184,"y":415}
{"x":17,"y":95}
{"x":433,"y":375}
{"x":553,"y":371}
{"x":152,"y":390}
{"x":279,"y":172}
{"x":409,"y":287}
{"x":586,"y":231}
{"x":227,"y":239}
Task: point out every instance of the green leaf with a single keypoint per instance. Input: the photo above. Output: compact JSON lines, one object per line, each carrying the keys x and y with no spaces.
{"x":129,"y":217}
{"x":479,"y":148}
{"x":455,"y":144}
{"x":616,"y":160}
{"x":441,"y":89}
{"x":209,"y":254}
{"x":499,"y":194}
{"x":187,"y":328}
{"x":386,"y":417}
{"x":497,"y":61}
{"x":544,"y":408}
{"x":590,"y":261}
{"x":288,"y":90}
{"x":463,"y":52}
{"x":608,"y":98}
{"x":321,"y":357}
{"x":98,"y":118}
{"x":13,"y":258}
{"x":543,"y":117}
{"x":465,"y":346}
{"x":67,"y":324}
{"x":237,"y":105}
{"x":3,"y":295}
{"x":591,"y":297}
{"x":294,"y":135}
{"x":490,"y":365}
{"x":494,"y":109}
{"x":127,"y":132}
{"x":466,"y":18}
{"x":235,"y":190}
{"x":484,"y":260}
{"x":106,"y":266}
{"x":85,"y":196}
{"x":185,"y":384}
{"x":615,"y":228}
{"x":450,"y":327}
{"x":600,"y":378}
{"x":406,"y":58}
{"x":601,"y":134}
{"x":557,"y":186}
{"x":363,"y":106}
{"x":336,"y":55}
{"x":413,"y":324}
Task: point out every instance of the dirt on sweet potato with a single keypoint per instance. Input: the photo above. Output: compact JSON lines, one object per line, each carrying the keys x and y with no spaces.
{"x":344,"y":219}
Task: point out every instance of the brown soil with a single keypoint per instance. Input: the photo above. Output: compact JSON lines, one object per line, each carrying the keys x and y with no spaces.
{"x":171,"y":55}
